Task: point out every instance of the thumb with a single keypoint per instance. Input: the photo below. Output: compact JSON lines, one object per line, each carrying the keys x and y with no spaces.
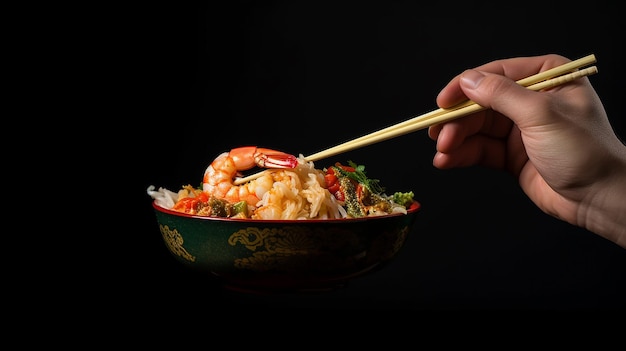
{"x":501,"y":94}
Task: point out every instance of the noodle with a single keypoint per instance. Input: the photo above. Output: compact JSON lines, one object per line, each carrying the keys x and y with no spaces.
{"x":300,"y":193}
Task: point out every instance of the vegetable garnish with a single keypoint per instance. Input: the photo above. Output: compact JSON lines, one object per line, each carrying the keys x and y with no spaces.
{"x":357,"y":173}
{"x":362,"y":196}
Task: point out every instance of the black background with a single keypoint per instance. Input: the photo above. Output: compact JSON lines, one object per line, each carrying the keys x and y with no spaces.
{"x":303,"y":76}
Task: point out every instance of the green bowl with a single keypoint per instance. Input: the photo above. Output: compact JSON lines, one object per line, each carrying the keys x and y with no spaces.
{"x":284,"y":255}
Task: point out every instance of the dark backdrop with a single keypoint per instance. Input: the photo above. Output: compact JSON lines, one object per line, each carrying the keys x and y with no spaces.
{"x":303,"y":76}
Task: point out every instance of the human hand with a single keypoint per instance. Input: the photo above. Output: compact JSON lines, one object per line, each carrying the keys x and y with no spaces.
{"x":559,"y":143}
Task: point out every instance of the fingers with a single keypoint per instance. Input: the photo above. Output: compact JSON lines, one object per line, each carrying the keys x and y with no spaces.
{"x":451,"y":94}
{"x":451,"y":135}
{"x":524,"y":107}
{"x":485,"y":137}
{"x":476,"y":150}
{"x":514,"y":68}
{"x":522,"y":67}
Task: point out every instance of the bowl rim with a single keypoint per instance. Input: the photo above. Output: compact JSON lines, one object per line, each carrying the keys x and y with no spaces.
{"x":415,"y":207}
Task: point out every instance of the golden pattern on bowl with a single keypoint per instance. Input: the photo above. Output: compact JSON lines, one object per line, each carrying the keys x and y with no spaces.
{"x":278,"y":256}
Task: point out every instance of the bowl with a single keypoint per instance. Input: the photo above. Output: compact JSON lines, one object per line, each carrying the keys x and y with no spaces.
{"x":269,"y":256}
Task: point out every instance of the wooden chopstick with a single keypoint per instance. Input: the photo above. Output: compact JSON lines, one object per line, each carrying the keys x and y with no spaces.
{"x":375,"y":136}
{"x":553,"y":77}
{"x":430,"y":119}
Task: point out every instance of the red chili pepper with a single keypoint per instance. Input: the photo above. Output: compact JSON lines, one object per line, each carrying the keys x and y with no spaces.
{"x":345,"y":168}
{"x":334,"y":188}
{"x":190,"y":204}
{"x":330,"y":179}
{"x":186,"y":205}
{"x":359,"y":192}
{"x":203,"y":197}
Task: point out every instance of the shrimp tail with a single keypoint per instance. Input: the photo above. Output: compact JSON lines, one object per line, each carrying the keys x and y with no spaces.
{"x":274,"y":159}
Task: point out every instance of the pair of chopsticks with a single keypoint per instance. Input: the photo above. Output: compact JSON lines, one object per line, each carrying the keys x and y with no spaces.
{"x":553,"y":77}
{"x":547,"y":79}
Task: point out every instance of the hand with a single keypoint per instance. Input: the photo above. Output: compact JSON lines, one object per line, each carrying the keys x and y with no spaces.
{"x":558,"y":143}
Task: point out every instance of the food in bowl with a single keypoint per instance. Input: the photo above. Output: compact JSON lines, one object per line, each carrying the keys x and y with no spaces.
{"x":291,"y":189}
{"x":306,"y":229}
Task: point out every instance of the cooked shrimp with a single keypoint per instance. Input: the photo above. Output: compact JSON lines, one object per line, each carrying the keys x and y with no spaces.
{"x":219,"y":176}
{"x":282,"y":201}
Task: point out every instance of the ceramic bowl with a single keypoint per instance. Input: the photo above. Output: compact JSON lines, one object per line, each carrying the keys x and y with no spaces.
{"x":284,"y":256}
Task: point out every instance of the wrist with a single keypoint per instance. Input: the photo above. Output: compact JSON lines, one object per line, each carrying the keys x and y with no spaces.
{"x":606,"y":215}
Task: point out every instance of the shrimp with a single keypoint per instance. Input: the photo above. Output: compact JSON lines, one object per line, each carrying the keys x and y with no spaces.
{"x":282,"y":201}
{"x":219,"y":177}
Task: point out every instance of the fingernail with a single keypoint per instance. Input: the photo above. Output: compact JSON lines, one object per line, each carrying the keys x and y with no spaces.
{"x":471,"y":78}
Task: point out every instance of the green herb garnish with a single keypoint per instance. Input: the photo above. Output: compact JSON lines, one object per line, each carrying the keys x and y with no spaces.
{"x":359,"y":176}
